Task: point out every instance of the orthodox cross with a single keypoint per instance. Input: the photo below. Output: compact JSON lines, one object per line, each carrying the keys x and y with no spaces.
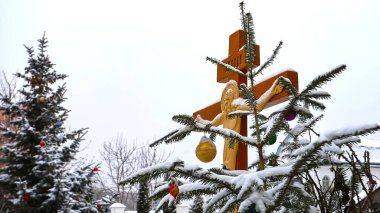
{"x":236,"y":58}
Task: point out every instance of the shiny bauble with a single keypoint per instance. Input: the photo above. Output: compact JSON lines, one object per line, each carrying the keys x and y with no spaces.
{"x":95,"y":169}
{"x":174,"y":190}
{"x":206,"y":150}
{"x":291,"y":116}
{"x":42,"y":144}
{"x":42,"y":99}
{"x":58,"y":124}
{"x":272,"y":140}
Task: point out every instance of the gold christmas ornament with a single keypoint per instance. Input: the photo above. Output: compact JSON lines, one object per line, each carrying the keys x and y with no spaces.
{"x":41,"y":99}
{"x":206,"y":150}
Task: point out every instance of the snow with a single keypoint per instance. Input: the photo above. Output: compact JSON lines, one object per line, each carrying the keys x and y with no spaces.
{"x":117,"y":205}
{"x":205,"y":139}
{"x":232,"y":82}
{"x":188,"y":187}
{"x":268,"y":76}
{"x":160,"y":188}
{"x":316,"y":93}
{"x":345,"y":131}
{"x":330,"y":135}
{"x":220,"y":195}
{"x":239,"y":102}
{"x":372,"y":146}
{"x":150,"y":169}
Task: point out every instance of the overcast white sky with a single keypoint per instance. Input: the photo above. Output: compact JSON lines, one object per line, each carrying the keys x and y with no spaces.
{"x":132,"y":65}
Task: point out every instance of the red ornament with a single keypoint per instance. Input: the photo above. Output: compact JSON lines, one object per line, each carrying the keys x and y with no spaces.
{"x":95,"y":169}
{"x":290,"y":116}
{"x":99,"y":206}
{"x":25,"y":197}
{"x":173,"y":190}
{"x":42,"y":144}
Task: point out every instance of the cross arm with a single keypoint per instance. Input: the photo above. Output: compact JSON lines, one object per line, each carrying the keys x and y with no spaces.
{"x":210,"y":112}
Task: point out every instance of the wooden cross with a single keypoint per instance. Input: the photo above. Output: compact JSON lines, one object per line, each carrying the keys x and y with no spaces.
{"x":236,"y":58}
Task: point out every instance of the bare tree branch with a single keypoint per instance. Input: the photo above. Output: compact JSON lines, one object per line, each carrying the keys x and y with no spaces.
{"x":7,"y":88}
{"x":120,"y":159}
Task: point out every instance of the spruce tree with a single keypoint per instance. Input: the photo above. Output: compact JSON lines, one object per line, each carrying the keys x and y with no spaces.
{"x":36,"y":176}
{"x":197,"y":206}
{"x":281,"y":182}
{"x":143,"y":202}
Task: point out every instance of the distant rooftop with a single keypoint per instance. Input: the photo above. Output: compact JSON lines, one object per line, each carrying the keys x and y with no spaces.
{"x":372,"y":146}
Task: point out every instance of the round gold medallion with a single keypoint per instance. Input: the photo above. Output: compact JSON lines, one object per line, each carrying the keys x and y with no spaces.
{"x":206,"y":150}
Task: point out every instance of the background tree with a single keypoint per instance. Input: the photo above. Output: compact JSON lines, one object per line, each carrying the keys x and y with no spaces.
{"x":35,"y":176}
{"x":8,"y":87}
{"x":7,"y":92}
{"x":121,"y":159}
{"x":278,"y":185}
{"x":197,"y":205}
{"x":143,"y":203}
{"x":118,"y":160}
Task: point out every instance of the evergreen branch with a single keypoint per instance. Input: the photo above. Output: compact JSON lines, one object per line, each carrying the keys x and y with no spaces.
{"x":310,"y":151}
{"x":303,"y":113}
{"x":250,"y":43}
{"x":226,"y":133}
{"x":165,"y":200}
{"x":187,"y":190}
{"x":249,"y":38}
{"x":301,"y":128}
{"x":230,"y":205}
{"x":248,"y":95}
{"x":180,"y":135}
{"x":151,"y":172}
{"x":205,"y":177}
{"x":269,"y":61}
{"x":226,"y":66}
{"x":275,"y":126}
{"x":184,"y":119}
{"x":242,"y":15}
{"x":287,"y":84}
{"x":232,"y":173}
{"x":217,"y":198}
{"x":323,"y":79}
{"x":159,"y":192}
{"x":163,"y":139}
{"x":317,"y":95}
{"x":314,"y":104}
{"x":351,"y":132}
{"x":192,"y":189}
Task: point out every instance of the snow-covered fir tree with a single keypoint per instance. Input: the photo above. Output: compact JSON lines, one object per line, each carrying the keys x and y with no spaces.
{"x":37,"y":174}
{"x":280,"y":183}
{"x":143,"y":202}
{"x":197,"y":206}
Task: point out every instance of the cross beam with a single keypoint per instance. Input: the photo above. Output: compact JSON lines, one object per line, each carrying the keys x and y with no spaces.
{"x":236,"y":58}
{"x":209,"y":112}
